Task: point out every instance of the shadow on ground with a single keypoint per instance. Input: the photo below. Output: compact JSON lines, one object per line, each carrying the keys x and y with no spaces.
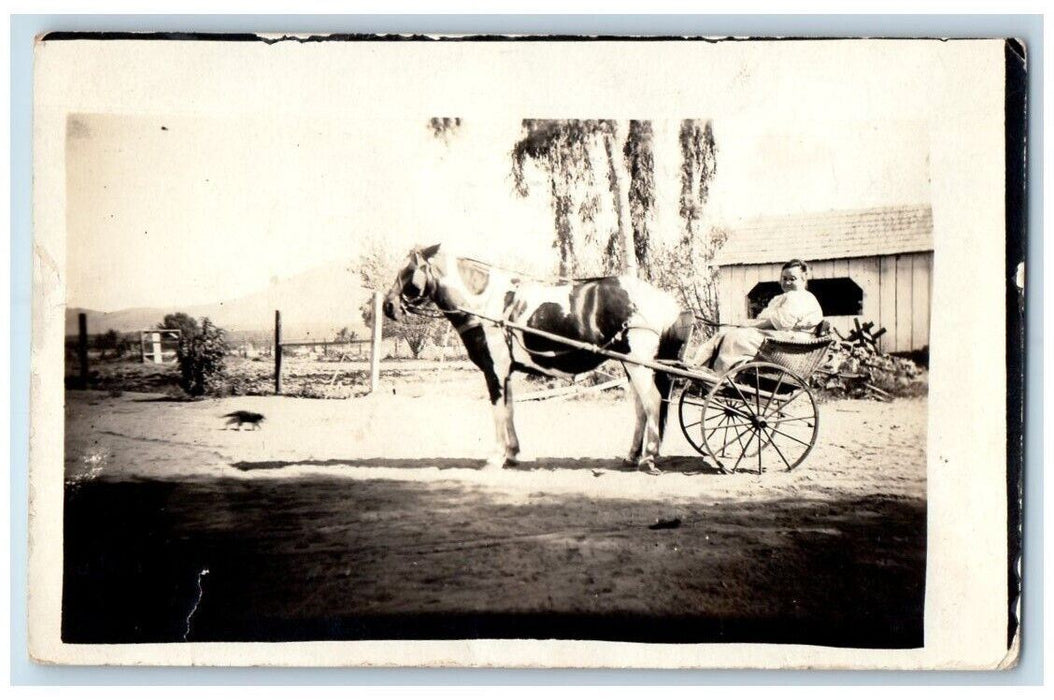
{"x":672,"y":465}
{"x":319,"y":558}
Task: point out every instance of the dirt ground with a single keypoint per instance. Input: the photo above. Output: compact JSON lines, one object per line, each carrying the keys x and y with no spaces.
{"x":372,"y":518}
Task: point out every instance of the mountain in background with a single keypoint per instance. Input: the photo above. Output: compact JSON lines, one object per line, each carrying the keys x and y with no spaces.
{"x":314,"y":304}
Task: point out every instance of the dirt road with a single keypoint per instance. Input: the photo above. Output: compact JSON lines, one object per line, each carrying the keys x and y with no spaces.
{"x":372,"y":518}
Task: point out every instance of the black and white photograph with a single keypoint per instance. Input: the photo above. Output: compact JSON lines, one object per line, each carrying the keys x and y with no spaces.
{"x":525,"y":353}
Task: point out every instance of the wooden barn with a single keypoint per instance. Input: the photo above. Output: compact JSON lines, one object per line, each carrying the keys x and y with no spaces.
{"x":872,"y":265}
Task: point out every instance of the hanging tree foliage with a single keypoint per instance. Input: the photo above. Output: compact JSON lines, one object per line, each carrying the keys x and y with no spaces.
{"x":565,"y":151}
{"x":571,"y":152}
{"x":685,"y":267}
{"x":640,"y":158}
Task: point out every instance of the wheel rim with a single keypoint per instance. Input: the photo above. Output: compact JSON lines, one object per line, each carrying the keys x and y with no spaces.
{"x":758,"y":417}
{"x":690,"y":409}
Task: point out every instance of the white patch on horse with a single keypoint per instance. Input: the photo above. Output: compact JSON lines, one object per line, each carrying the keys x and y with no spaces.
{"x":652,"y":313}
{"x":655,"y":309}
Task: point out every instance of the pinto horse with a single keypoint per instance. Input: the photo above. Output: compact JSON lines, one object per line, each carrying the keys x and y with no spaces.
{"x":621,"y":314}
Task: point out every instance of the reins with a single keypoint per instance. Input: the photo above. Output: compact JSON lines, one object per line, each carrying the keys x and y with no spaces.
{"x":416,"y":306}
{"x":418,"y":310}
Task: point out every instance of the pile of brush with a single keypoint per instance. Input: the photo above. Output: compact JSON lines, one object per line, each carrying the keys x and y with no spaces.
{"x":855,"y":369}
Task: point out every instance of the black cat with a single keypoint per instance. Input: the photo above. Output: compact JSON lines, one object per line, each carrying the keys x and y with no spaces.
{"x":239,"y":417}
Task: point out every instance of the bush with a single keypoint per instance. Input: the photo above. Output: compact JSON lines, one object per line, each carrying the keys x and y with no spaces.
{"x":202,"y":358}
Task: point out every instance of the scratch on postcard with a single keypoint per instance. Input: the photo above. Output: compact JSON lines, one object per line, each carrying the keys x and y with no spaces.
{"x":201,"y":575}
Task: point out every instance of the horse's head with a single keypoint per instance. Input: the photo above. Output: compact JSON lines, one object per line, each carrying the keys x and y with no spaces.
{"x":414,"y":284}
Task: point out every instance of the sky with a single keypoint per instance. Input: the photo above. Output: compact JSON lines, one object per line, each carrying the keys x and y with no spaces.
{"x":197,"y":172}
{"x":203,"y":209}
{"x":192,"y":209}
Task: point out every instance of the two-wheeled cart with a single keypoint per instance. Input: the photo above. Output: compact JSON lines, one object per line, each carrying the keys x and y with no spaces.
{"x":760,"y":415}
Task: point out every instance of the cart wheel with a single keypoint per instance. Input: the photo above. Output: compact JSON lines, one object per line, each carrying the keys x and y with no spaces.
{"x":759,"y":415}
{"x":690,"y":411}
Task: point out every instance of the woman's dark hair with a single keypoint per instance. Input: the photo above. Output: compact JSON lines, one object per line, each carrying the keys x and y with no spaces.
{"x":796,"y":263}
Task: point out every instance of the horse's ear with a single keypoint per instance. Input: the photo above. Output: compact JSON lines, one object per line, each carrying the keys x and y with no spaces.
{"x":430,"y":251}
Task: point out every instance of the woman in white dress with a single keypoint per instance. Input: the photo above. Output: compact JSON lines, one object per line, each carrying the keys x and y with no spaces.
{"x":793,"y":315}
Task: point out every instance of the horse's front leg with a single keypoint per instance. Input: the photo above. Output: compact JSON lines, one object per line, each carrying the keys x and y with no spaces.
{"x":512,"y":442}
{"x":499,"y":386}
{"x":636,"y":443}
{"x":647,"y":437}
{"x":502,"y":414}
{"x":487,"y":350}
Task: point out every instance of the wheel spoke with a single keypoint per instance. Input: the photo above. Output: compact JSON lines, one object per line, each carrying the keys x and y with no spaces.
{"x":725,"y":442}
{"x":773,"y":394}
{"x":744,"y":452}
{"x":761,"y":451}
{"x":734,"y":408}
{"x":744,"y":399}
{"x":737,"y":425}
{"x":791,"y":437}
{"x":789,"y":419}
{"x":719,"y":417}
{"x":757,"y":391}
{"x":793,"y":397}
{"x":782,"y":408}
{"x":776,"y":447}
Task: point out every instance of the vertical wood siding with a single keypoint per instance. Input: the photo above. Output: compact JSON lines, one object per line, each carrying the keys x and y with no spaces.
{"x":896,"y":294}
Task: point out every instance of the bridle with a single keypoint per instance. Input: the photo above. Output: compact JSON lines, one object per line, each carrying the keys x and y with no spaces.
{"x":417,"y":305}
{"x":422,"y":268}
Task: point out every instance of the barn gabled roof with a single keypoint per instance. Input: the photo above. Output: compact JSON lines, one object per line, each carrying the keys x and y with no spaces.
{"x":829,"y":236}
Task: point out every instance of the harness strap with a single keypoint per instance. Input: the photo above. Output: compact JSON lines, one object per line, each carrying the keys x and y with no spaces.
{"x":468,"y":324}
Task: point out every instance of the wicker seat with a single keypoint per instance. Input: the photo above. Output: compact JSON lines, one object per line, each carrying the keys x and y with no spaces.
{"x":802,"y":357}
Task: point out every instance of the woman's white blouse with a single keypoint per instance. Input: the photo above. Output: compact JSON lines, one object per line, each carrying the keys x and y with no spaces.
{"x":793,"y":311}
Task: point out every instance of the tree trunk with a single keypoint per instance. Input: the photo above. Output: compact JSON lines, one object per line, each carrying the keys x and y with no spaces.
{"x":614,"y":142}
{"x":562,"y":223}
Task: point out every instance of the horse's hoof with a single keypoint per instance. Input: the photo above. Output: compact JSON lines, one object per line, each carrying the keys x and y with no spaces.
{"x":629,"y":464}
{"x":648,"y":467}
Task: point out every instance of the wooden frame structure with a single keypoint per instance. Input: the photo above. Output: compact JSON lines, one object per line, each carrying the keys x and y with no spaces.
{"x":375,"y":346}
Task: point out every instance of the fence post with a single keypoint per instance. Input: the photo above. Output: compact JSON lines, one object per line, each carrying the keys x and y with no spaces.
{"x":277,"y":351}
{"x":82,"y":347}
{"x":375,"y":345}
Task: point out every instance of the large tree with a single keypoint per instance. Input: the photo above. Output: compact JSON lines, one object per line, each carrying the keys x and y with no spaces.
{"x":640,"y":161}
{"x":686,"y":266}
{"x":570,"y":153}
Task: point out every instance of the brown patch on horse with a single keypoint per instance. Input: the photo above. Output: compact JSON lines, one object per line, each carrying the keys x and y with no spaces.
{"x":475,"y":278}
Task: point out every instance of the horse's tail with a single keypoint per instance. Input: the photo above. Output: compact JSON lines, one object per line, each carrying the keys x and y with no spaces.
{"x":672,"y":345}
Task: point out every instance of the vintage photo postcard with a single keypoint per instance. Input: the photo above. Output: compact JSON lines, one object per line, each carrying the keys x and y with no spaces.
{"x":453,"y":351}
